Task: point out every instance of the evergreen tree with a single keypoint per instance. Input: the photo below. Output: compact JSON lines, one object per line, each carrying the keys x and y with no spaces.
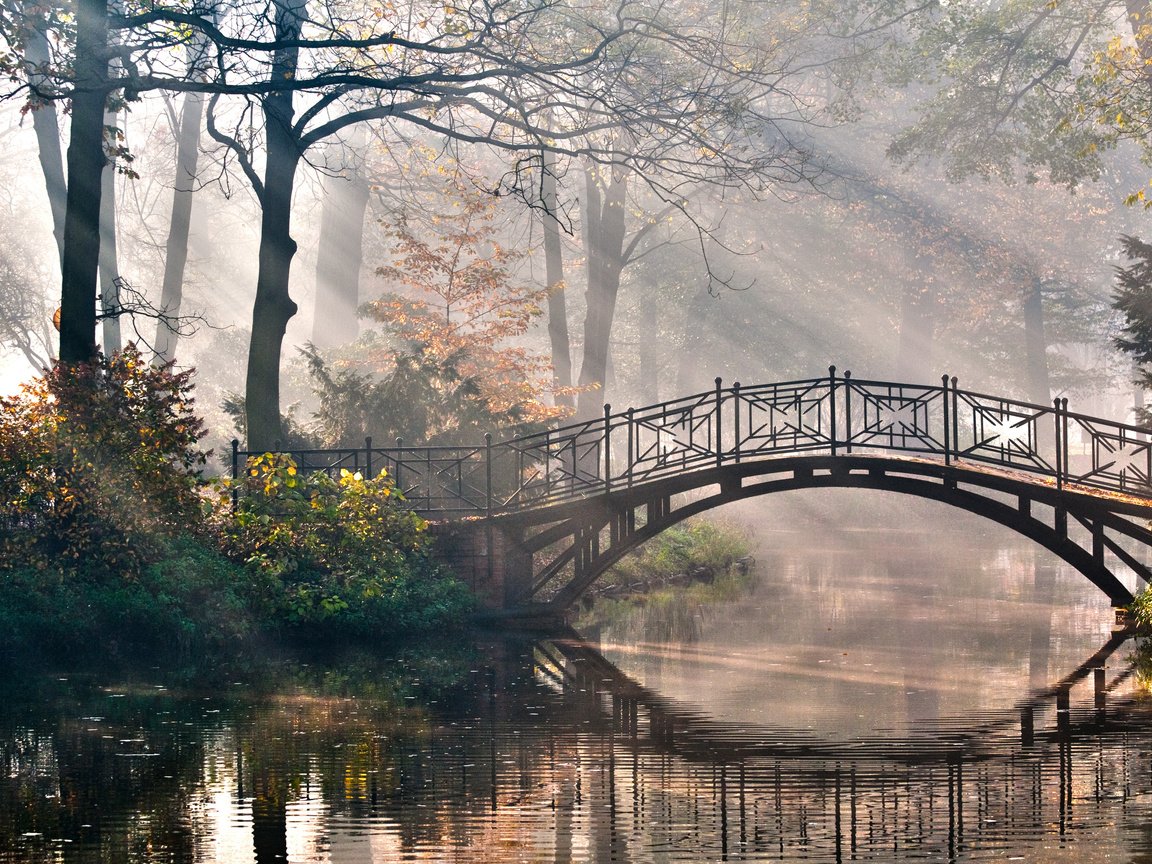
{"x":1133,"y":299}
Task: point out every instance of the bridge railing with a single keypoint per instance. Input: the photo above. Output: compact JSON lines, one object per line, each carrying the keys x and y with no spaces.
{"x":834,"y":414}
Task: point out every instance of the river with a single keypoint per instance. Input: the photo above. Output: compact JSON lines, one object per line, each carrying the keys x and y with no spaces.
{"x":918,"y":688}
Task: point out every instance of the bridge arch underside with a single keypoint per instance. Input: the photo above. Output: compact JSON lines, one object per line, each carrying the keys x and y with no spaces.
{"x":568,"y":547}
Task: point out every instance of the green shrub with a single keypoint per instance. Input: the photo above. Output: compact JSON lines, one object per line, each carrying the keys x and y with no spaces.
{"x":191,"y":603}
{"x":1140,"y":609}
{"x":690,"y":545}
{"x":333,"y":556}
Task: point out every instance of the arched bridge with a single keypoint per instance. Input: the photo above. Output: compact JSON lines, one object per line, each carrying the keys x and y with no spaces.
{"x":533,"y":521}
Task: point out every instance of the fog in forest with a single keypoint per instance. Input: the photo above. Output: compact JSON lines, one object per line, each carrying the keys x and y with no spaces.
{"x":1001,"y":274}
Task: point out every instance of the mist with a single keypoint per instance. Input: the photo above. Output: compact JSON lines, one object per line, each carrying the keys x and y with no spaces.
{"x":903,"y":271}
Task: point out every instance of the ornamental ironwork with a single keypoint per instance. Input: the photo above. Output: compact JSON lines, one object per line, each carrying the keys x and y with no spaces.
{"x":830,"y":415}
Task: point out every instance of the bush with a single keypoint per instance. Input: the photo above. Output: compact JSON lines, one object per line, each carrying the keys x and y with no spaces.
{"x":98,"y":463}
{"x":1140,"y":610}
{"x":189,"y":604}
{"x":333,"y":556}
{"x":696,"y":545}
{"x":109,"y":536}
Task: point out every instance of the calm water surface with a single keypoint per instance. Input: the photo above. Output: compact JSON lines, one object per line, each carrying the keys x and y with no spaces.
{"x":880,"y":696}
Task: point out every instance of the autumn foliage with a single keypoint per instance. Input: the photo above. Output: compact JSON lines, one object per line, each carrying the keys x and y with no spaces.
{"x":110,"y":535}
{"x":98,"y":463}
{"x":451,"y":364}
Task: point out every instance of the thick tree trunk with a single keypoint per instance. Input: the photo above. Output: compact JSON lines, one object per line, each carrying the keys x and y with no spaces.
{"x":274,"y":307}
{"x":47,"y":128}
{"x":339,"y":259}
{"x":1036,"y":345}
{"x":604,"y":239}
{"x":558,"y":336}
{"x":109,"y":266}
{"x":85,"y":164}
{"x":179,"y":226}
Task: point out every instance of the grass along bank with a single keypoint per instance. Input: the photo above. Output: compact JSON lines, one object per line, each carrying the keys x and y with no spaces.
{"x":657,"y":591}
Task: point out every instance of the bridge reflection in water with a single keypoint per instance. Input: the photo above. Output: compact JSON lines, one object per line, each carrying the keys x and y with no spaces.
{"x":559,"y":756}
{"x":665,"y":773}
{"x":532,"y":522}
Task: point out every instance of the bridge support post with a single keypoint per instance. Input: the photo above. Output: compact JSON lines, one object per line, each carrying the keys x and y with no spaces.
{"x":487,"y":558}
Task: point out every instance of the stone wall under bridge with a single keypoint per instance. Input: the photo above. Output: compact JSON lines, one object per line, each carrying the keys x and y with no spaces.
{"x":486,"y":557}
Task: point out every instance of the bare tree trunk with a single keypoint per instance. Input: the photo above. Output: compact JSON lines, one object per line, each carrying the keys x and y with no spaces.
{"x":179,"y":226}
{"x":1036,"y":345}
{"x":649,"y":354}
{"x":554,"y":279}
{"x":109,"y":266}
{"x":339,"y":260}
{"x":274,"y":307}
{"x":605,"y":192}
{"x":47,"y":128}
{"x":85,"y":163}
{"x":915,"y":351}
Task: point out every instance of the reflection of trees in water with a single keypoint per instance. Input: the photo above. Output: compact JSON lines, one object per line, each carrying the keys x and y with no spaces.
{"x":548,"y":752}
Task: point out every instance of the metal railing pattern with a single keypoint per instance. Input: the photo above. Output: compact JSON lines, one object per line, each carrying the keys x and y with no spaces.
{"x":836,"y":414}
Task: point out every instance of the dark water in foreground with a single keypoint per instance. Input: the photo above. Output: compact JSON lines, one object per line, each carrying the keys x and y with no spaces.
{"x":882,"y":698}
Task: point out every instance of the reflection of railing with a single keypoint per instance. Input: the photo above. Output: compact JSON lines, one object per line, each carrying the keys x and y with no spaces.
{"x":730,"y":425}
{"x":577,"y":669}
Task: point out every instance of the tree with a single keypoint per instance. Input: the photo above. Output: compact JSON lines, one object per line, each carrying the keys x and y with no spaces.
{"x":1133,"y":300}
{"x":558,"y":338}
{"x":451,"y":365}
{"x":86,"y":162}
{"x":187,"y":134}
{"x":37,"y":58}
{"x":1044,"y":85}
{"x":696,"y":108}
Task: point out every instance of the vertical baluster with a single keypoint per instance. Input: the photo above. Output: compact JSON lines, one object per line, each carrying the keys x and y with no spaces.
{"x":1064,"y":438}
{"x":719,"y":426}
{"x":547,"y":464}
{"x":235,"y":472}
{"x":832,"y":409}
{"x":368,"y":457}
{"x":947,"y":421}
{"x":489,"y":538}
{"x":400,"y":464}
{"x":607,"y":448}
{"x":631,"y":443}
{"x":487,"y":474}
{"x":848,"y":410}
{"x":736,"y":421}
{"x":1060,"y":453}
{"x":955,"y":418}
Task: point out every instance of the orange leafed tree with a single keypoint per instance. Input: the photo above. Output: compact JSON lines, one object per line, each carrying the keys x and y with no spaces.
{"x":456,"y":300}
{"x":458,"y":362}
